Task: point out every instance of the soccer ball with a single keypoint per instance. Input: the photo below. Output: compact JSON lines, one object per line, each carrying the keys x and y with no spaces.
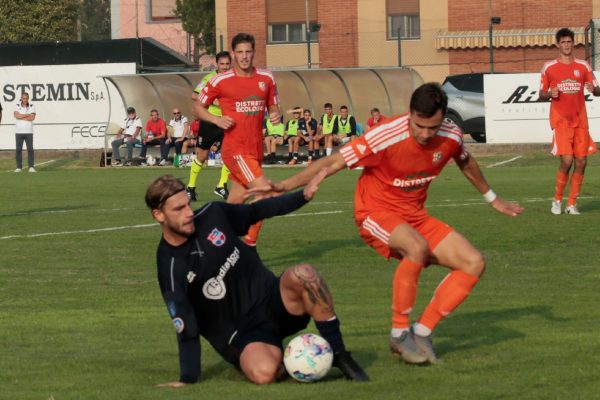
{"x":308,"y":358}
{"x":151,"y":161}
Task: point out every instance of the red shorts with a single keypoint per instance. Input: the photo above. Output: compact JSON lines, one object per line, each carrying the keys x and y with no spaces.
{"x":243,"y":169}
{"x":573,"y":142}
{"x":378,"y":226}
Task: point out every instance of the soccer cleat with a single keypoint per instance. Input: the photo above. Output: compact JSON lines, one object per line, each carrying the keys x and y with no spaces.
{"x":293,"y":161}
{"x":572,"y":210}
{"x":555,"y":209}
{"x":191,"y":193}
{"x":18,"y":170}
{"x":31,"y":169}
{"x":425,"y":344}
{"x":405,"y":346}
{"x":349,"y":367}
{"x":221,"y":192}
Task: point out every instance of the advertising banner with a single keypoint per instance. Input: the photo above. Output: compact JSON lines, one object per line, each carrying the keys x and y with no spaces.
{"x":73,"y":104}
{"x":513,"y":113}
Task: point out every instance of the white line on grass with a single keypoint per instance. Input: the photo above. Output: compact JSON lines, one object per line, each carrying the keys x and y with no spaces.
{"x":36,"y":165}
{"x":118,"y":228}
{"x":504,"y":162}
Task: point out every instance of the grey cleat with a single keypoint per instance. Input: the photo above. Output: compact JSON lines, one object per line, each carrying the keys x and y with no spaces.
{"x":425,"y":344}
{"x":405,"y":346}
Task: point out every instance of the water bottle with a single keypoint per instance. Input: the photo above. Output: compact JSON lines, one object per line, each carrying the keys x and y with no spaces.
{"x":218,"y":160}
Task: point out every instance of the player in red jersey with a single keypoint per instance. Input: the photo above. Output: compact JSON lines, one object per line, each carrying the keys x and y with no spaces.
{"x":563,"y":81}
{"x":401,"y":157}
{"x":244,"y":93}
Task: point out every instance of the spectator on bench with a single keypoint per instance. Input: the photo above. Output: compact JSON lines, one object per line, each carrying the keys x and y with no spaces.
{"x":308,"y":131}
{"x":177,"y":133}
{"x":346,"y":127}
{"x":128,"y":134}
{"x":273,"y":137}
{"x":292,"y":135}
{"x":376,"y":118}
{"x":156,"y":134}
{"x":328,"y":127}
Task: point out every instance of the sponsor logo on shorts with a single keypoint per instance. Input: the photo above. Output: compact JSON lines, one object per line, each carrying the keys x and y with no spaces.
{"x":214,"y":288}
{"x":179,"y":324}
{"x":216,"y":237}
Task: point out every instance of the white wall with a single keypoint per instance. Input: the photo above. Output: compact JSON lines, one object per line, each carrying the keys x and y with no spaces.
{"x":513,"y":114}
{"x":71,"y":101}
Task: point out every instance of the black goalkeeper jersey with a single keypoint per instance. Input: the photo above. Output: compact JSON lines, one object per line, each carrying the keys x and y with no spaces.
{"x":213,"y":283}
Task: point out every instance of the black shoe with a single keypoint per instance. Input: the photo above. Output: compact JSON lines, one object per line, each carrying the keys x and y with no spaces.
{"x":191,"y":193}
{"x":221,"y":192}
{"x":350,"y":368}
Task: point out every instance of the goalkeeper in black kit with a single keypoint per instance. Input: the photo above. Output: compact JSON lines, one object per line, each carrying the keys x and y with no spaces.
{"x":217,"y":287}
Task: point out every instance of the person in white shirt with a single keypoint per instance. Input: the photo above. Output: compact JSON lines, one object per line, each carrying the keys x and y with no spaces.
{"x":24,"y":115}
{"x":129,"y":134}
{"x":178,"y":131}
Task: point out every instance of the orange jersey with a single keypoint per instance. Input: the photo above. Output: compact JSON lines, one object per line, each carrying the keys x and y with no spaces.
{"x":244,"y":99}
{"x":397,"y":170}
{"x":568,"y":110}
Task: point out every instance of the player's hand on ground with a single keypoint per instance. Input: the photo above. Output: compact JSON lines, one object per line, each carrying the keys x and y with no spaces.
{"x":225,"y":122}
{"x":313,"y":186}
{"x":506,"y":207}
{"x":174,"y":385}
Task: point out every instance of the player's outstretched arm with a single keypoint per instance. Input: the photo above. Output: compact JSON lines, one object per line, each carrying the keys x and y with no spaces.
{"x":331,"y":164}
{"x":470,"y":168}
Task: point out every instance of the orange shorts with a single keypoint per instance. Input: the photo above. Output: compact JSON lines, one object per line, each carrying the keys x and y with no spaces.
{"x":243,"y":169}
{"x":573,"y":142}
{"x":378,"y":226}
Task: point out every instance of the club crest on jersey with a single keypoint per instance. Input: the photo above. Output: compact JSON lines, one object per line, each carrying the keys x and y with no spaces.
{"x":437,"y":157}
{"x":262,"y":86}
{"x":216,"y":237}
{"x":577,"y":73}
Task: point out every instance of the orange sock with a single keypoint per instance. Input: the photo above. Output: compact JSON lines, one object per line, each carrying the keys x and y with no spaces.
{"x":252,"y":236}
{"x":404,"y":292}
{"x":574,"y":188}
{"x":453,"y":290}
{"x":561,"y":182}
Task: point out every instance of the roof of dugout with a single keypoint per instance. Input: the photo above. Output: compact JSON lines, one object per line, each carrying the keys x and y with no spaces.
{"x":360,"y":89}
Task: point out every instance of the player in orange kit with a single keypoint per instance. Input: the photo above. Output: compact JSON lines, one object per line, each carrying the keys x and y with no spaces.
{"x":244,"y":93}
{"x":563,"y":81}
{"x":401,"y":157}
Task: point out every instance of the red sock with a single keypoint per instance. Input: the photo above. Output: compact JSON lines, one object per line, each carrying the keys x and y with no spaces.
{"x":404,"y":292}
{"x":561,"y":182}
{"x":453,"y":290}
{"x":574,"y":188}
{"x":252,"y":235}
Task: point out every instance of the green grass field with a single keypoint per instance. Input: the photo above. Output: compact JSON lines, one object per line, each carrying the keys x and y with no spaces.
{"x":82,"y":316}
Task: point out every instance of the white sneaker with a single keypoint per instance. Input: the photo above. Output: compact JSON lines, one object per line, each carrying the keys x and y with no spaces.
{"x":31,"y":169}
{"x":162,"y":162}
{"x":18,"y":170}
{"x":556,"y":210}
{"x":572,"y":210}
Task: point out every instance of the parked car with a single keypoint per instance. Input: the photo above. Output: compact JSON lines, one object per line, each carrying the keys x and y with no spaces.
{"x":465,"y":103}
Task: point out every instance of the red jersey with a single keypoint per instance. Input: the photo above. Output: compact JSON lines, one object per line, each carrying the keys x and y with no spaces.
{"x":195,"y":128}
{"x":244,"y":99}
{"x":398,"y":170}
{"x":158,"y":128}
{"x":568,"y":110}
{"x":371,"y":122}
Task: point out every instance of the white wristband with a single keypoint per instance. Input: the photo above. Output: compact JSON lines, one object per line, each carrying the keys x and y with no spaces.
{"x":489,"y":196}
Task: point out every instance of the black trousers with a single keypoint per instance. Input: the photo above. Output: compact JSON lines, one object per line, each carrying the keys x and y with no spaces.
{"x":28,"y":139}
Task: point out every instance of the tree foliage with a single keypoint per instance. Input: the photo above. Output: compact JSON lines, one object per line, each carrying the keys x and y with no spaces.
{"x":38,"y":21}
{"x":95,"y":20}
{"x":198,"y":19}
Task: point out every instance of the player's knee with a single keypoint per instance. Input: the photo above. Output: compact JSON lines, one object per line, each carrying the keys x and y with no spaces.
{"x":475,"y":264}
{"x":417,"y":250}
{"x":580,"y":163}
{"x":262,"y":374}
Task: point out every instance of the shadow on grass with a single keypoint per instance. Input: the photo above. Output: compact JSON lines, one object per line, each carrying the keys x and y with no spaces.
{"x":473,"y":330}
{"x":308,"y":252}
{"x":48,"y":210}
{"x":590,"y":206}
